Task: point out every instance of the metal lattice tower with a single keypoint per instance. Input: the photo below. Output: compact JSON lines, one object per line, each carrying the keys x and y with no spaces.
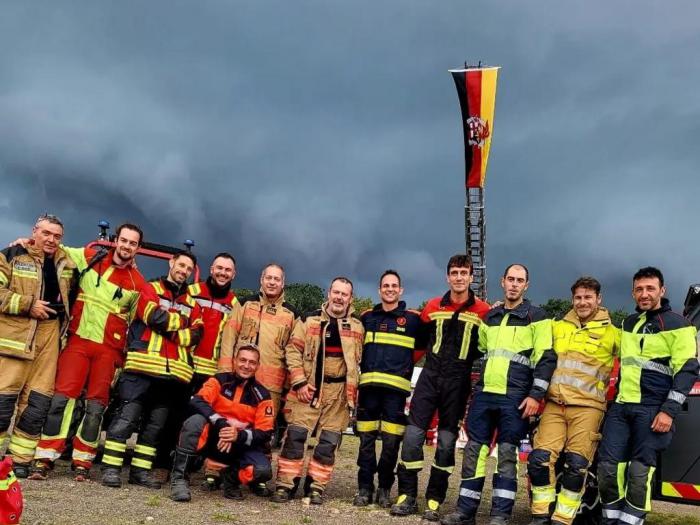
{"x":475,"y":234}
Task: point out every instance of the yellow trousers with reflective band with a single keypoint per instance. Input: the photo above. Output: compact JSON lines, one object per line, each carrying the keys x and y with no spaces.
{"x":569,"y":430}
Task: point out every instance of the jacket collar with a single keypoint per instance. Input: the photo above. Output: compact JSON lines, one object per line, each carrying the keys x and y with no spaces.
{"x":326,"y":317}
{"x":265,"y":301}
{"x":216,"y":291}
{"x":175,"y":289}
{"x":398,"y":311}
{"x":445,"y":301}
{"x":520,"y":311}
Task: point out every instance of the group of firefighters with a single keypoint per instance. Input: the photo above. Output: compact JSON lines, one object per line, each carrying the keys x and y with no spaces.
{"x":200,"y":376}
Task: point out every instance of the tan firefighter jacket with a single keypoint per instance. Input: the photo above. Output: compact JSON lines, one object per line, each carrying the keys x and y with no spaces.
{"x":309,"y":338}
{"x":21,"y":284}
{"x":585,"y":356}
{"x":266,"y":324}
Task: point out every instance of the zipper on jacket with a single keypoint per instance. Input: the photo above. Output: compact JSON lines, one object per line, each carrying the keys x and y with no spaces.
{"x":36,"y":321}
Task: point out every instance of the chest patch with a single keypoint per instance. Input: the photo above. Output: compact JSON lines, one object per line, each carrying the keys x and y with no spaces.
{"x":25,"y":266}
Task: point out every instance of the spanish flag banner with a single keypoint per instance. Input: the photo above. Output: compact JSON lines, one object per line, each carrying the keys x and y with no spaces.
{"x":476,"y":88}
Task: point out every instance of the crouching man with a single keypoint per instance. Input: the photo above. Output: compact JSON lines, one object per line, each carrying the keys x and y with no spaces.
{"x":233,"y":426}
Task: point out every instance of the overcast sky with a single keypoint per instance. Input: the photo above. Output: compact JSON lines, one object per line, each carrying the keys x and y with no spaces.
{"x":327,"y":135}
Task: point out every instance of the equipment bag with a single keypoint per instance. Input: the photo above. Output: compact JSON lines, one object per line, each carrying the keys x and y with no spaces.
{"x":11,"y":502}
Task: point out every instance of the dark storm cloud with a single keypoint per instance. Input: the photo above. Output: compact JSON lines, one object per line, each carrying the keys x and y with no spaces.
{"x":327,"y":135}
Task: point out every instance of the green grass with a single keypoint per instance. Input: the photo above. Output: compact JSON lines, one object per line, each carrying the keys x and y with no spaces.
{"x":224,"y":517}
{"x":153,"y":501}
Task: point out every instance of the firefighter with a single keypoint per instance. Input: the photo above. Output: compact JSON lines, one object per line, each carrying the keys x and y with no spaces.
{"x":157,"y":372}
{"x":233,"y":423}
{"x":658,"y":367}
{"x":444,"y":385}
{"x":392,"y":333}
{"x":108,"y":292}
{"x":585,"y":342}
{"x":266,"y":321}
{"x":35,"y":284}
{"x":517,"y":340}
{"x":217,"y":303}
{"x":323,"y":357}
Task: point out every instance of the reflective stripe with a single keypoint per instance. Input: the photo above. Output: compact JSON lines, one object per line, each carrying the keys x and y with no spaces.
{"x":676,"y":396}
{"x":393,"y":428}
{"x":438,"y":335}
{"x":466,"y":340}
{"x":13,"y":307}
{"x":24,"y":274}
{"x":503,"y":493}
{"x":586,"y":369}
{"x":206,"y":303}
{"x":612,"y":514}
{"x":142,"y":463}
{"x":114,"y":445}
{"x":385,"y":379}
{"x":471,"y":494}
{"x":511,"y":356}
{"x":165,"y":303}
{"x":145,"y":449}
{"x":5,"y":483}
{"x":367,"y":426}
{"x":561,"y":379}
{"x":9,"y":343}
{"x":544,"y":385}
{"x":631,"y":519}
{"x":22,"y":446}
{"x":647,"y":365}
{"x":114,"y":461}
{"x":568,"y":502}
{"x":390,"y":339}
{"x":46,"y":453}
{"x":84,"y":456}
{"x":249,"y":437}
{"x":110,"y":307}
{"x":444,"y":469}
{"x":412,"y":465}
{"x":544,"y":494}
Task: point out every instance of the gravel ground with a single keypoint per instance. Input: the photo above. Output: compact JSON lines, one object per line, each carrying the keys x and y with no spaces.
{"x":60,"y":500}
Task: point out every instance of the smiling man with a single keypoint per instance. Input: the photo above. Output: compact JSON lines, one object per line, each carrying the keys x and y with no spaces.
{"x":323,"y":357}
{"x":392,"y":334}
{"x":233,"y":423}
{"x":585,"y":342}
{"x":34,"y":287}
{"x":157,"y":372}
{"x":516,"y":338}
{"x":108,"y":292}
{"x":658,"y":367}
{"x":444,"y":386}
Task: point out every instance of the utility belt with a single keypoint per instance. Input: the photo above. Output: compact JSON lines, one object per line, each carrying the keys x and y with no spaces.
{"x":340,"y":379}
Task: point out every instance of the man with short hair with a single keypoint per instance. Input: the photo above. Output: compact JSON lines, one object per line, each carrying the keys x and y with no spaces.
{"x":392,"y":334}
{"x":233,"y":423}
{"x":266,"y":321}
{"x":108,"y":292}
{"x":517,"y":340}
{"x":323,"y":357}
{"x":35,"y":283}
{"x":585,"y":342}
{"x":658,"y":367}
{"x":217,"y":303}
{"x":444,"y":386}
{"x":157,"y":371}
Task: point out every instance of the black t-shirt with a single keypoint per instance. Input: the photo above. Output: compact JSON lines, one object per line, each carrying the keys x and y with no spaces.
{"x":52,"y":293}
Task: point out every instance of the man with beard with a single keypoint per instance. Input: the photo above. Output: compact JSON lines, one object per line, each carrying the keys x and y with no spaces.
{"x":323,"y":357}
{"x":35,"y":283}
{"x":517,"y":340}
{"x":156,"y":374}
{"x":108,"y":292}
{"x":586,"y":342}
{"x":658,"y":367}
{"x":217,"y":303}
{"x":444,"y":386}
{"x":392,"y":333}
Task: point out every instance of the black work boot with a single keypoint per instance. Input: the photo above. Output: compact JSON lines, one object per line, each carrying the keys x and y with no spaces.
{"x":383,"y":498}
{"x":457,"y":518}
{"x":404,"y":506}
{"x":362,"y":498}
{"x":112,"y":477}
{"x":231,"y":484}
{"x":143,"y":478}
{"x":316,"y":497}
{"x":432,"y":511}
{"x":281,"y":495}
{"x":260,"y":490}
{"x":540,"y":519}
{"x":21,"y":470}
{"x":179,"y":478}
